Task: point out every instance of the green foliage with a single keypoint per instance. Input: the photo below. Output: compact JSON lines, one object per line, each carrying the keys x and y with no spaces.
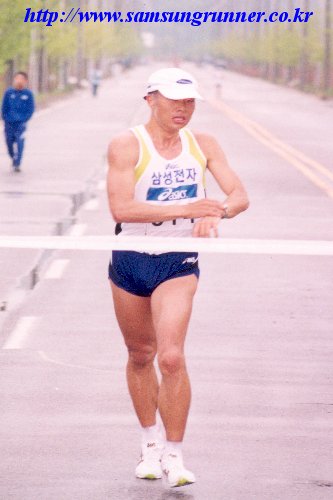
{"x":313,"y":45}
{"x":278,"y":45}
{"x":127,"y":42}
{"x":14,"y":33}
{"x":61,"y":41}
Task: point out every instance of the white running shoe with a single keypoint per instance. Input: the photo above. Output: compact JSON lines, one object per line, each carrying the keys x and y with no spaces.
{"x":149,"y":466}
{"x":175,"y":471}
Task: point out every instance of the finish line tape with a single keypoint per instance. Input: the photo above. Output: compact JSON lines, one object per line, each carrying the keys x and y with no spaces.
{"x":167,"y":244}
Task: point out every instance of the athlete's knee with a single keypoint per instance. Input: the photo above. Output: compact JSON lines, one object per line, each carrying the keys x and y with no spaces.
{"x":171,"y":361}
{"x":139,"y":357}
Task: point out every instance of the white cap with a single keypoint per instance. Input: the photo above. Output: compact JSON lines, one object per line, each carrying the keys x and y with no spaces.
{"x":173,"y":83}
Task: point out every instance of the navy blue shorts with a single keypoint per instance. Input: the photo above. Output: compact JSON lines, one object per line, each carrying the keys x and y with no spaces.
{"x":141,"y":273}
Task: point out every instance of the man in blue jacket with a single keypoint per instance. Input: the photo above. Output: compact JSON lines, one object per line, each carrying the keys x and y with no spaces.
{"x":17,"y":108}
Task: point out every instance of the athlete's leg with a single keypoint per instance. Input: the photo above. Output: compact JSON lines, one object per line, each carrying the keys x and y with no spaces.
{"x":135,"y":321}
{"x":171,"y":305}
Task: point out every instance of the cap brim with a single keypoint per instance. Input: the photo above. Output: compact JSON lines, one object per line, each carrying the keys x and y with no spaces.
{"x":179,"y":92}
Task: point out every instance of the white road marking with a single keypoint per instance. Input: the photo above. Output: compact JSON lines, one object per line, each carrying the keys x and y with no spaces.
{"x":56,"y":269}
{"x":167,"y":244}
{"x":91,"y":204}
{"x":18,"y":337}
{"x":78,"y":229}
{"x":101,"y":185}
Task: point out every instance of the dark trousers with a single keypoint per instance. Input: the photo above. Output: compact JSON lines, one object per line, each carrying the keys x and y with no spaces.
{"x":14,"y":134}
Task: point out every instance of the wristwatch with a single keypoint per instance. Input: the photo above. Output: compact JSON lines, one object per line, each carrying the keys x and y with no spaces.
{"x":225,"y":206}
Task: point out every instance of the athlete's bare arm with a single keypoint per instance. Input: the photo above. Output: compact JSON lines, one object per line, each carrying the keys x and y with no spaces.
{"x":226,"y":178}
{"x":236,"y":196}
{"x":123,"y":154}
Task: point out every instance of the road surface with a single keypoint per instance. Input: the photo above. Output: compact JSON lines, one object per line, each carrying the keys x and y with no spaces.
{"x":260,"y":343}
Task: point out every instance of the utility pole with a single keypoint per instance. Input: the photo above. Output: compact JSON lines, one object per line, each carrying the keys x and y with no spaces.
{"x":33,"y":73}
{"x":327,"y":64}
{"x":304,"y":60}
{"x":42,"y":63}
{"x":62,"y":64}
{"x":79,"y":54}
{"x":291,"y":29}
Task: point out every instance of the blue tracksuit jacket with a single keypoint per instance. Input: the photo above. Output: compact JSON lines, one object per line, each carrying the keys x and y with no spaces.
{"x":17,"y":105}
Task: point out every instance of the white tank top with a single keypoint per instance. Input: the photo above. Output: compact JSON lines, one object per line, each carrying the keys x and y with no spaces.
{"x":159,"y":181}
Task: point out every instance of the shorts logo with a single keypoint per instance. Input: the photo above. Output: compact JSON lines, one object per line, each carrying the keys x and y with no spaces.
{"x":190,"y":260}
{"x":172,"y":194}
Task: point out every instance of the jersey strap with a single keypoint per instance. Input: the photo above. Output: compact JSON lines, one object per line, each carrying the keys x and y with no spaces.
{"x":144,"y":157}
{"x":196,"y":152}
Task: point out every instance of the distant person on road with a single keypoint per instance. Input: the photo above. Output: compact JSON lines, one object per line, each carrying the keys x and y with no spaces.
{"x":156,"y":187}
{"x":17,"y":109}
{"x":95,"y":81}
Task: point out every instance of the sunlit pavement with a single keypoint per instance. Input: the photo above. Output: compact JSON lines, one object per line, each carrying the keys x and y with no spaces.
{"x":260,"y":343}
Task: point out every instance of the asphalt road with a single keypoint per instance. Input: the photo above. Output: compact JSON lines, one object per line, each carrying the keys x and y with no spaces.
{"x":260,"y":343}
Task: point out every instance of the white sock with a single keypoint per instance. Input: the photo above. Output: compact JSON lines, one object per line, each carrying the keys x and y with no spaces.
{"x":149,"y":434}
{"x":174,"y":448}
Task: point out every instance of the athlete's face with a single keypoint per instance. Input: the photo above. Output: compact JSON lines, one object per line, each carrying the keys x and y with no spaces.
{"x":169,"y":113}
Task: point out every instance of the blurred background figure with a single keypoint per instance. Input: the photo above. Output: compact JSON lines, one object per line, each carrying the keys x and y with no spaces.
{"x":95,"y":81}
{"x":17,"y":109}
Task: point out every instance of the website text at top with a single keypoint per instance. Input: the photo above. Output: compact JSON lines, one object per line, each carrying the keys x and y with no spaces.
{"x":192,"y":18}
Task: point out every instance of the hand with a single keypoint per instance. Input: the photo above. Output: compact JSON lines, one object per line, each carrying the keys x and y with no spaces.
{"x":203,"y":208}
{"x":206,"y":227}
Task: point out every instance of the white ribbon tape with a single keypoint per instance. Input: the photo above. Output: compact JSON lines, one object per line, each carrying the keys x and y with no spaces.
{"x":167,"y":244}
